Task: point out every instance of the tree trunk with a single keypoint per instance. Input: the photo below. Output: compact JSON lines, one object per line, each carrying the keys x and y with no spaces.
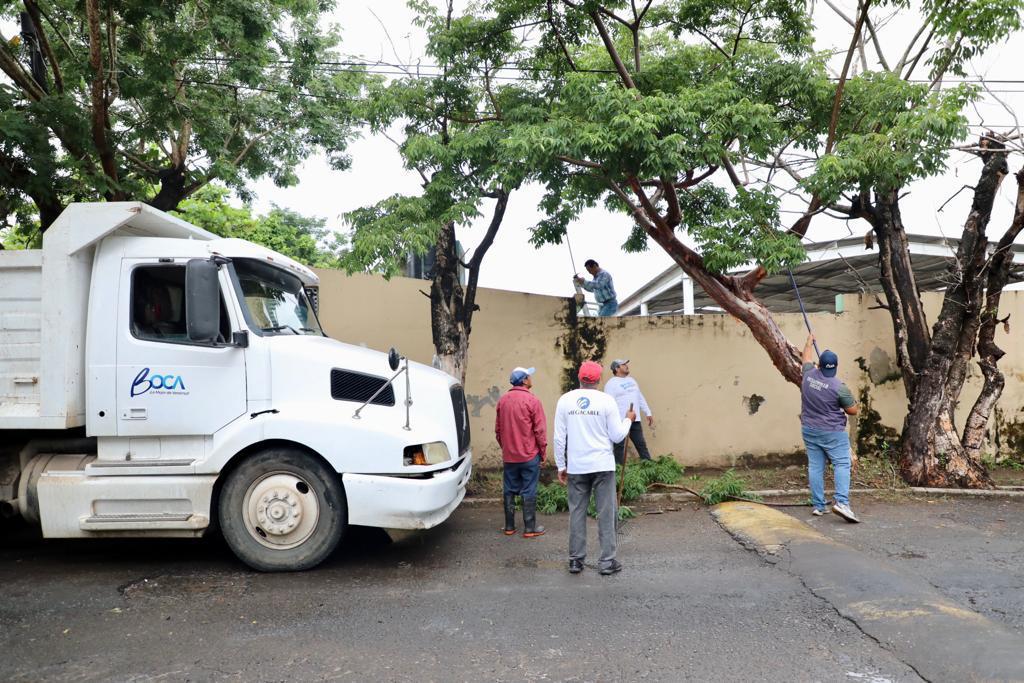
{"x":932,"y":453}
{"x":910,"y":327}
{"x":447,"y":307}
{"x":451,"y":305}
{"x":735,"y":295}
{"x":172,"y":188}
{"x":989,"y":352}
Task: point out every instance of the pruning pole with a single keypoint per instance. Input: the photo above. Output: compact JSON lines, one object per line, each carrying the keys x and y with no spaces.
{"x":622,"y":478}
{"x":800,"y":301}
{"x":580,"y":298}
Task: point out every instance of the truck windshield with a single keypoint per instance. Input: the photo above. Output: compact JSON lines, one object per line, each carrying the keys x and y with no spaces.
{"x":275,"y":299}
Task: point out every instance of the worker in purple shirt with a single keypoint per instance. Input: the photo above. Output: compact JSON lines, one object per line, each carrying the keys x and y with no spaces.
{"x":825,"y":403}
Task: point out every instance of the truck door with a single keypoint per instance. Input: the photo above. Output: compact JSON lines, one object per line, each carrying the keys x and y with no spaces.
{"x":166,"y":384}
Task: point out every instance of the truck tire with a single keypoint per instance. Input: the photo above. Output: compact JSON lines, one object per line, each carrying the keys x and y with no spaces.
{"x":282,"y":510}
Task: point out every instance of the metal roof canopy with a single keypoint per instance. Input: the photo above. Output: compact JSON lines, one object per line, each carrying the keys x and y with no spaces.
{"x":833,"y":267}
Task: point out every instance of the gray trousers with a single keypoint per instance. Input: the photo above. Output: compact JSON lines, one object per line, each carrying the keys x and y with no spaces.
{"x":603,"y":486}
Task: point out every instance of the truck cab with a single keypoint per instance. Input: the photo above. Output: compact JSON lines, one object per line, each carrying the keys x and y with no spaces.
{"x":163,"y":379}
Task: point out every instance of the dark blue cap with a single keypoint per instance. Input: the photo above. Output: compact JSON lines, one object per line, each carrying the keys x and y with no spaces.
{"x":828,"y":362}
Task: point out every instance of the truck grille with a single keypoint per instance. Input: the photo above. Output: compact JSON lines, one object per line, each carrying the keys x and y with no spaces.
{"x":461,"y":417}
{"x":355,"y":386}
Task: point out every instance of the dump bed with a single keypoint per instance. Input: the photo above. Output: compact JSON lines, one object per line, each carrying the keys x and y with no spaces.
{"x":21,"y":275}
{"x":44,"y":302}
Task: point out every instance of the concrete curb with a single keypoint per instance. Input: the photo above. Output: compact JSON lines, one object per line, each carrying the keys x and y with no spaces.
{"x":938,"y":638}
{"x":682,"y":496}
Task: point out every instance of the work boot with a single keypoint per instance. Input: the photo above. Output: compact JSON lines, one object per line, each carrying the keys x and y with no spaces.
{"x":530,"y":528}
{"x":510,"y":515}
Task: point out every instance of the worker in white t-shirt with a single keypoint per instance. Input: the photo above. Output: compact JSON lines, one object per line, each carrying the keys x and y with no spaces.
{"x":587,"y":424}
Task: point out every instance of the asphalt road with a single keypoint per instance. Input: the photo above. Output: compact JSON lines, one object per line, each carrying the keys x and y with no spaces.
{"x":457,"y":603}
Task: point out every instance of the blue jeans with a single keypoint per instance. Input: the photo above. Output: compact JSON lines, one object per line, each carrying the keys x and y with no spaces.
{"x":608,"y":308}
{"x":836,"y":447}
{"x":520,"y":478}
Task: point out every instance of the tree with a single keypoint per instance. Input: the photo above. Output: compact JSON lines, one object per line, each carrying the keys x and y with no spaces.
{"x":305,"y":239}
{"x":460,"y":159}
{"x":684,"y":114}
{"x":152,"y":101}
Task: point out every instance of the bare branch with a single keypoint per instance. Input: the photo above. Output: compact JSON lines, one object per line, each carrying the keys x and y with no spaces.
{"x":733,"y":178}
{"x":924,"y":47}
{"x":609,"y":46}
{"x":558,"y":37}
{"x":876,"y":43}
{"x":837,"y":100}
{"x":580,"y":162}
{"x":910,"y":46}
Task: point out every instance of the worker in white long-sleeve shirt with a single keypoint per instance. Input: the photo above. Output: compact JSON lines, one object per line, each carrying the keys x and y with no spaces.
{"x":626,"y":392}
{"x":587,"y":423}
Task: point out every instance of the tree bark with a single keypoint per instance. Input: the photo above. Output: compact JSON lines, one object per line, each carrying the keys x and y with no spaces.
{"x":447,"y":307}
{"x":989,"y":353}
{"x":451,"y":305}
{"x":900,"y":286}
{"x":98,"y":96}
{"x":932,"y":453}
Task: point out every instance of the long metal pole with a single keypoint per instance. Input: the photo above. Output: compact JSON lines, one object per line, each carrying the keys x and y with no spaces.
{"x":800,"y":301}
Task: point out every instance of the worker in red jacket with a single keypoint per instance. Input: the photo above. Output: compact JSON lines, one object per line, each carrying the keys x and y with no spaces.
{"x":521,"y":430}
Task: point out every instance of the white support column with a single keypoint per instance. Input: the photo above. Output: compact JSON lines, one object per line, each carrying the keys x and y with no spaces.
{"x":688,"y":308}
{"x":643,"y":308}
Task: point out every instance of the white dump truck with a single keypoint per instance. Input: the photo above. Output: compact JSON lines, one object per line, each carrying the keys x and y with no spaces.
{"x":157,"y":380}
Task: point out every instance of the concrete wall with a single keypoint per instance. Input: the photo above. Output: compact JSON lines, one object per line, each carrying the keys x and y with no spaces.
{"x":716,"y":397}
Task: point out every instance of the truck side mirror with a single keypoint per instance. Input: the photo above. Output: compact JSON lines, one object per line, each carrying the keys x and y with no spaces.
{"x":393,"y":358}
{"x":202,"y":300}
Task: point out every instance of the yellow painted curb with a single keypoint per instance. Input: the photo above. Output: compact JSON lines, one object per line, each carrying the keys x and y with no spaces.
{"x":764,"y":527}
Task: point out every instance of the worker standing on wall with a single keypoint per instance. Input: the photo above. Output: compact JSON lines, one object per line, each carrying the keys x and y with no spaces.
{"x":825,"y":403}
{"x":602,"y":287}
{"x":587,"y":423}
{"x":521,"y":430}
{"x":626,"y":392}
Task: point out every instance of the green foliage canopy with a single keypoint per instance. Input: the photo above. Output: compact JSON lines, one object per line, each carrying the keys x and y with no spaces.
{"x":305,"y":239}
{"x":191,"y":91}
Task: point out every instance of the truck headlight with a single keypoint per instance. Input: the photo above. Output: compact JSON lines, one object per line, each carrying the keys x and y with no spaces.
{"x":427,"y":454}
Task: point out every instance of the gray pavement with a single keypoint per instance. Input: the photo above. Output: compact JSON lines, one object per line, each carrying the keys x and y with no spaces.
{"x":970,"y":549}
{"x":944,"y":640}
{"x":457,"y":603}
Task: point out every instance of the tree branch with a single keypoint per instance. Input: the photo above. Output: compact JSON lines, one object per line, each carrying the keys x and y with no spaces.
{"x":837,"y":100}
{"x":609,"y":46}
{"x":580,"y":162}
{"x":9,"y":65}
{"x":558,"y":37}
{"x":910,"y":46}
{"x":98,"y":97}
{"x":876,"y":43}
{"x":478,"y":256}
{"x":674,"y":216}
{"x":33,"y":12}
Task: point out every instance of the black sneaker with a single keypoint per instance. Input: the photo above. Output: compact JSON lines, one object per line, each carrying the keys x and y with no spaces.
{"x":614,"y":568}
{"x":575,"y":566}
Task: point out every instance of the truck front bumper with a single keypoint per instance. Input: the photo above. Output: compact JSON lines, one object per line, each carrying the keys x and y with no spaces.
{"x":405,"y":503}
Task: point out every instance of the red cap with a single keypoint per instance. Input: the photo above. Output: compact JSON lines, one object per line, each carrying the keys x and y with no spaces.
{"x":590,"y":372}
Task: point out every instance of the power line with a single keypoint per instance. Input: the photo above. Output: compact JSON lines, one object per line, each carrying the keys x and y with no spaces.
{"x":241,"y":86}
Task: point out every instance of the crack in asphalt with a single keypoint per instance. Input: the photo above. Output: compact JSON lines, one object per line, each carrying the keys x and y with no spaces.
{"x":775,"y":558}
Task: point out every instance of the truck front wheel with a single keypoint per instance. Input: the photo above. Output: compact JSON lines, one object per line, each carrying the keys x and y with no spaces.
{"x":282,"y":510}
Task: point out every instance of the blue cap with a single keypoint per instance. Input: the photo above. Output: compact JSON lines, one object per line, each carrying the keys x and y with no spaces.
{"x":828,"y":362}
{"x":519,"y":375}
